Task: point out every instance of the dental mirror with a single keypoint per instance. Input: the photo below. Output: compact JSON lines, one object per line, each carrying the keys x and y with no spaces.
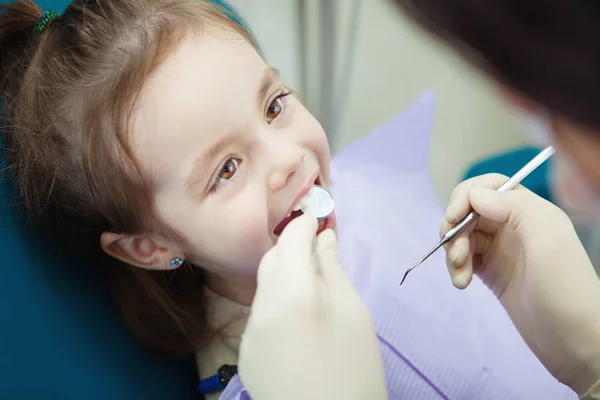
{"x":319,"y":203}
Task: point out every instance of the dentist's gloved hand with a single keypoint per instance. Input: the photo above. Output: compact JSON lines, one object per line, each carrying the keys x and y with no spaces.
{"x":526,"y":251}
{"x":309,"y":336}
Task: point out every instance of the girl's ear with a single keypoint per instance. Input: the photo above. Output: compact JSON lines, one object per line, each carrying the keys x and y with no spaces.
{"x":141,"y":252}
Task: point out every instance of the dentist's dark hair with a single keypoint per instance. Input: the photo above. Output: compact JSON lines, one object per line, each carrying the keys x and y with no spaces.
{"x":67,"y":95}
{"x":548,"y":50}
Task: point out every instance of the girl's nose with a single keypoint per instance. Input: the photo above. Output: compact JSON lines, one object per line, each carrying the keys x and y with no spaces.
{"x":283,"y":166}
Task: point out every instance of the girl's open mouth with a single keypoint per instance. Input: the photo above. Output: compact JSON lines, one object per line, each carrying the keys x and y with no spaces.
{"x":325,"y":223}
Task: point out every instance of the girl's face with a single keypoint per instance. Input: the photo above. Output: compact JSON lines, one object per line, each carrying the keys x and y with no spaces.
{"x":227,"y":149}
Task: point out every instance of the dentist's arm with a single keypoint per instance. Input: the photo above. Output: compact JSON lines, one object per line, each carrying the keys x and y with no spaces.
{"x":309,"y":335}
{"x":526,"y":251}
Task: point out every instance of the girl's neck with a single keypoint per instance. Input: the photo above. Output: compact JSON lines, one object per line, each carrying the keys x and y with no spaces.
{"x":240,"y":289}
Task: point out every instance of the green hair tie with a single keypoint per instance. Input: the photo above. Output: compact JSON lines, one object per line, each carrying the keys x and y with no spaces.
{"x":45,"y":19}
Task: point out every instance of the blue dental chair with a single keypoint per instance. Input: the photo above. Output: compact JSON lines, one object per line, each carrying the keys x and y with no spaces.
{"x":60,"y":335}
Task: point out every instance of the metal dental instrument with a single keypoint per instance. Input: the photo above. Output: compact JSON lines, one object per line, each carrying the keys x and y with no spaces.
{"x":320,"y":205}
{"x":472,"y":217}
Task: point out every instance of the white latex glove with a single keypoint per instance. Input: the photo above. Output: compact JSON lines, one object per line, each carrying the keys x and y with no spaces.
{"x":526,"y":251}
{"x":309,"y":336}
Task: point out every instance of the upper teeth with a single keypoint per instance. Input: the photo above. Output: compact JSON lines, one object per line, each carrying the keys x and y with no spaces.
{"x":304,"y":200}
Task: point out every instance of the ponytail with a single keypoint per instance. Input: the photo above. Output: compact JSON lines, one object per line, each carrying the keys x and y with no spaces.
{"x":18,"y":41}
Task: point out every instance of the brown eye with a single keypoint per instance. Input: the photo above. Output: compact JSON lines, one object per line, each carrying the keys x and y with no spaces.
{"x":228,"y":171}
{"x":274,"y":109}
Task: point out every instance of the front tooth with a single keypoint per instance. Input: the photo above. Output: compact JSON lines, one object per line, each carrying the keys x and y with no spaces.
{"x":304,"y":200}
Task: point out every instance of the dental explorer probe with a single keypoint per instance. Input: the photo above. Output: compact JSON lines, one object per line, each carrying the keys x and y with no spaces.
{"x":472,"y":217}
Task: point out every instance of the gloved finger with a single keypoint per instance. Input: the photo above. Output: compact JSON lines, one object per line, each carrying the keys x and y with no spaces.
{"x":482,"y":224}
{"x":267,"y":276}
{"x":295,"y":245}
{"x":267,"y":264}
{"x":458,"y":261}
{"x":481,"y":243}
{"x":444,"y":228}
{"x":461,"y":276}
{"x":458,"y":251}
{"x":459,"y":205}
{"x":462,"y":260}
{"x":327,"y":251}
{"x":521,"y":210}
{"x":512,"y":208}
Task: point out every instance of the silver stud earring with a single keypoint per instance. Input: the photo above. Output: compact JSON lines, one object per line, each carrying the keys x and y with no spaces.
{"x":176,"y":262}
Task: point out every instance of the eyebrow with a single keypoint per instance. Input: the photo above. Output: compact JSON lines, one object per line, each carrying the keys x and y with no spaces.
{"x":202,"y":163}
{"x":271,"y":75}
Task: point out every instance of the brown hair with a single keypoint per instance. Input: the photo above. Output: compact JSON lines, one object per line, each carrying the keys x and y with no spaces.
{"x":66,"y":100}
{"x":549,"y":50}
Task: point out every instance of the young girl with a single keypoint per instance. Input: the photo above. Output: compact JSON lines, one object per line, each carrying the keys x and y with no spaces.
{"x":152,"y":137}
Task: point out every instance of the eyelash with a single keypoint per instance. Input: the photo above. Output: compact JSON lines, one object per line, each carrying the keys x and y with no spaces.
{"x":218,"y":183}
{"x":281,"y":96}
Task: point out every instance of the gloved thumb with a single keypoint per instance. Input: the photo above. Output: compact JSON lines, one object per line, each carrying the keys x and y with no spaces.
{"x":502,"y":207}
{"x":327,"y":250}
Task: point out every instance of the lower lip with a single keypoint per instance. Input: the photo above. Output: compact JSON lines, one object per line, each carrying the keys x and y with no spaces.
{"x":324,"y":224}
